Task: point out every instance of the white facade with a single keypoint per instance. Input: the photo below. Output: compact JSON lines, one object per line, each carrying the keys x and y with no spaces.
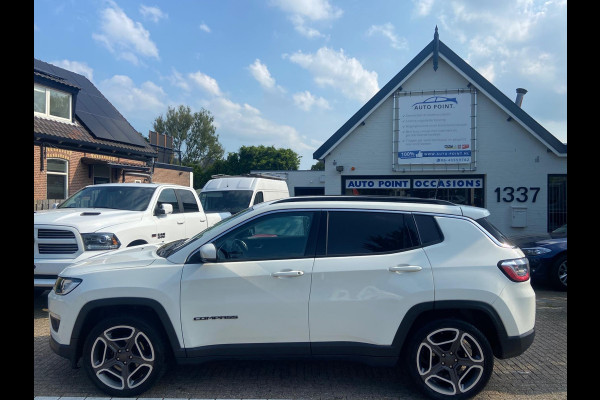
{"x":512,"y":155}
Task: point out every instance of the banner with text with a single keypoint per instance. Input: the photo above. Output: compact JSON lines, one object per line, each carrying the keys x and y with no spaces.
{"x":434,"y":129}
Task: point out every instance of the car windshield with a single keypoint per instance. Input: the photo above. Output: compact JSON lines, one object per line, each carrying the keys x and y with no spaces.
{"x":132,"y":198}
{"x":169,"y":248}
{"x":232,"y":201}
{"x":559,"y":232}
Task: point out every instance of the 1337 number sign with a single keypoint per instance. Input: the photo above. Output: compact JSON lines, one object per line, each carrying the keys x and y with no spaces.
{"x":521,"y":194}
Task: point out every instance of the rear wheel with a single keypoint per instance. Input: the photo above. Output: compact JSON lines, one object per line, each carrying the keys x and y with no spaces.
{"x":450,"y":359}
{"x":123,"y":356}
{"x":558,"y":273}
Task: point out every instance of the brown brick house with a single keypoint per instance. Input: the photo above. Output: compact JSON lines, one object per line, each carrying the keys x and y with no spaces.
{"x":80,"y":138}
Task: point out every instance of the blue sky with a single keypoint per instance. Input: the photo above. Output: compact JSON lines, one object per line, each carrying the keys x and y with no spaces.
{"x":289,"y":73}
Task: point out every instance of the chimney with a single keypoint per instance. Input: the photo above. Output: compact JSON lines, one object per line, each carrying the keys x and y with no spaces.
{"x":520,"y":93}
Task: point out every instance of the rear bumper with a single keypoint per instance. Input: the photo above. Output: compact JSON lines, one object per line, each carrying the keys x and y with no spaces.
{"x":513,"y":346}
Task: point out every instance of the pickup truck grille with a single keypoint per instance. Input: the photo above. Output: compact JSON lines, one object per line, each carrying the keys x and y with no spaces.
{"x":55,"y":234}
{"x":55,"y":248}
{"x":55,"y":242}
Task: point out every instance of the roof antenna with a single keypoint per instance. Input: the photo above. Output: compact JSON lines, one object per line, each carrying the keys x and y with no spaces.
{"x":436,"y":48}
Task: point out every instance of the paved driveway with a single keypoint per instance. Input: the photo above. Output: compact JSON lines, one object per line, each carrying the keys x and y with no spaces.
{"x":539,"y":373}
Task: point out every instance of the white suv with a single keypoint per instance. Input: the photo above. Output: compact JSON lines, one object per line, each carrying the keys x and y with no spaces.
{"x":373,"y":279}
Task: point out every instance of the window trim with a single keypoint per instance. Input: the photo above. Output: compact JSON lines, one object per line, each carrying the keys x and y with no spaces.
{"x":47,"y":114}
{"x":65,"y":174}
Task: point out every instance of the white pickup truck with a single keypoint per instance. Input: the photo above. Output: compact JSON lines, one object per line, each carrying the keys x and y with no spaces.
{"x":110,"y":216}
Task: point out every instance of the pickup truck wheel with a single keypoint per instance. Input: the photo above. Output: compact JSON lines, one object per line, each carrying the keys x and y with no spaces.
{"x":450,"y":359}
{"x":123,"y":356}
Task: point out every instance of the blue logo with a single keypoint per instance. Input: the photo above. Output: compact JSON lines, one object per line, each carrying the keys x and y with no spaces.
{"x":437,"y":99}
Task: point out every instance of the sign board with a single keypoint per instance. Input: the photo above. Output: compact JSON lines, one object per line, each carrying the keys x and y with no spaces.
{"x":434,"y":129}
{"x":415,"y":183}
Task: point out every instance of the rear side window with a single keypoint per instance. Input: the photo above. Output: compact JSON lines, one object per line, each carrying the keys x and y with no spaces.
{"x":188,"y":200}
{"x":429,"y":230}
{"x":356,"y":233}
{"x":492,"y":230}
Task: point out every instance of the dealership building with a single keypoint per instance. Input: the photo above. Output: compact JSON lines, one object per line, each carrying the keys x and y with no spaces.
{"x":439,"y":129}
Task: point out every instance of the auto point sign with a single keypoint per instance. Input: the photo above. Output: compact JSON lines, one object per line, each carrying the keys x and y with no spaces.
{"x":434,"y":129}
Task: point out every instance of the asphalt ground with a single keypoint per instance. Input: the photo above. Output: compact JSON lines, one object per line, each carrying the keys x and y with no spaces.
{"x":539,"y":373}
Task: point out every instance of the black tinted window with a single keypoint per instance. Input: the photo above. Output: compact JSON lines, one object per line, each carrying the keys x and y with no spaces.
{"x":429,"y":230}
{"x":274,"y":236}
{"x":167,"y":196}
{"x":355,"y":232}
{"x":488,"y":226}
{"x":188,"y":200}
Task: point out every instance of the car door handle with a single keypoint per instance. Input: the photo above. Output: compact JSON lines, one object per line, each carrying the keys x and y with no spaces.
{"x":180,"y":222}
{"x":405,"y":268}
{"x":287,"y":274}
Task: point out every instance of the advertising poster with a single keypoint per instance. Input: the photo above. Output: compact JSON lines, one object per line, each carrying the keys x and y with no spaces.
{"x":434,"y":129}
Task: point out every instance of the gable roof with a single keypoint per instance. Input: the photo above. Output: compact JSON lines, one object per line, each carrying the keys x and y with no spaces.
{"x":101,"y":120}
{"x":434,"y":48}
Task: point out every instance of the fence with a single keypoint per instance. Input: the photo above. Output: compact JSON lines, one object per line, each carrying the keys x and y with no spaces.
{"x":45,"y":204}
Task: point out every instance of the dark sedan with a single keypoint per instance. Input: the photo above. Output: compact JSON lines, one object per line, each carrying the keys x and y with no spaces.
{"x":547,"y":256}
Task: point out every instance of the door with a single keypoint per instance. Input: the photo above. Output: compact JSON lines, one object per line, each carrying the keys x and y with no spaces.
{"x":169,"y":226}
{"x":256,"y":292}
{"x":369,"y":273}
{"x":195,"y":220}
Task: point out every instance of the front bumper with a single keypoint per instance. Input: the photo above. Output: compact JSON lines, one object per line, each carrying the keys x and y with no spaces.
{"x":64,"y":350}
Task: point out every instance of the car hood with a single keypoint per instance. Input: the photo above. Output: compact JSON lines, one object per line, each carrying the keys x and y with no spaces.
{"x":85,"y":219}
{"x":540,"y":241}
{"x":129,"y":257}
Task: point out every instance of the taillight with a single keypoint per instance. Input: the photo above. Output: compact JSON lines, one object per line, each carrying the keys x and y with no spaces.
{"x":517,"y":270}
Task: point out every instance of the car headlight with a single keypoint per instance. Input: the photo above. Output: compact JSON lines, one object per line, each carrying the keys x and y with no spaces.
{"x":535,"y":251}
{"x":63,"y":286}
{"x":100,"y":241}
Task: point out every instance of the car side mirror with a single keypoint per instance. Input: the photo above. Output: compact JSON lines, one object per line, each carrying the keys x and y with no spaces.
{"x":208,"y":253}
{"x":165,"y":209}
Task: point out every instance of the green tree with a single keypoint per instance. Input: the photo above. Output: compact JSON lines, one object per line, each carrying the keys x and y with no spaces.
{"x":194,"y":135}
{"x":318,"y":166}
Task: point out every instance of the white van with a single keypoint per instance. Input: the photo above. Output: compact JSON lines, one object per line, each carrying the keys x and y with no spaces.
{"x":225,"y":193}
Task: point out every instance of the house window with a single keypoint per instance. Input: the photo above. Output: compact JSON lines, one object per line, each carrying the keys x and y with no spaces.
{"x":101,"y":174}
{"x":51,"y":102}
{"x":57,"y":179}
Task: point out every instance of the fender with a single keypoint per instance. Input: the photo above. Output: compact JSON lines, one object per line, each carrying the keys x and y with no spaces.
{"x":165,"y":321}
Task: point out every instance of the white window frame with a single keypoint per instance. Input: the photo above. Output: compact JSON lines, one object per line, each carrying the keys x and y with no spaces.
{"x":65,"y":174}
{"x":47,"y":114}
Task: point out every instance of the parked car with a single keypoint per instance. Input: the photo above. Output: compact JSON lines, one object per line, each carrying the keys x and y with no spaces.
{"x":427,"y":283}
{"x":547,"y":256}
{"x":227,"y":193}
{"x":110,"y":216}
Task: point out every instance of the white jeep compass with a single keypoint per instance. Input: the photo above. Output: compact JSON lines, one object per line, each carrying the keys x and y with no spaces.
{"x":380,"y":280}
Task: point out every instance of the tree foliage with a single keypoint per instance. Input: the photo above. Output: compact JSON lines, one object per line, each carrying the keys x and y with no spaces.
{"x":194,"y":135}
{"x":318,"y":166}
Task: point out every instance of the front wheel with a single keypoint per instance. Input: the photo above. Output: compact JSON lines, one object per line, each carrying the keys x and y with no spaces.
{"x":450,"y":359}
{"x":123,"y":356}
{"x":558,"y":273}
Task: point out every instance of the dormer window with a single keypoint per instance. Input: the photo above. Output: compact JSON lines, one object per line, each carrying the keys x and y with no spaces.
{"x":51,"y":103}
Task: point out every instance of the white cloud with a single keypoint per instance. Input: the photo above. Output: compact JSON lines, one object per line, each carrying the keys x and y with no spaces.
{"x":205,"y":83}
{"x":422,"y":7}
{"x":124,"y":37}
{"x":336,"y":70}
{"x":261,"y":73}
{"x":176,"y":79}
{"x":122,"y":92}
{"x":77,"y":67}
{"x":301,"y":11}
{"x":153,"y":14}
{"x":305,"y":101}
{"x":204,"y":27}
{"x":246,"y":124}
{"x":388,"y":31}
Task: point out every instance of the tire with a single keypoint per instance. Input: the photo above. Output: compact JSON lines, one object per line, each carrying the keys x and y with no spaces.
{"x":124,"y":356}
{"x":558,"y":273}
{"x":449,"y":359}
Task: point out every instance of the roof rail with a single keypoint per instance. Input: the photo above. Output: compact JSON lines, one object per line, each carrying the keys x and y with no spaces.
{"x":216,"y":176}
{"x":394,"y":199}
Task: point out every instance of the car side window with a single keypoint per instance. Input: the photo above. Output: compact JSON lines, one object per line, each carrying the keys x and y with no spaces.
{"x":363,"y":233}
{"x":258,"y":198}
{"x":167,"y":196}
{"x":188,"y":201}
{"x":275,"y":236}
{"x":429,"y":230}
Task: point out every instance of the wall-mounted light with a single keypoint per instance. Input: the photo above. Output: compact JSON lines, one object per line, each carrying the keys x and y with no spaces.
{"x":339,"y":168}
